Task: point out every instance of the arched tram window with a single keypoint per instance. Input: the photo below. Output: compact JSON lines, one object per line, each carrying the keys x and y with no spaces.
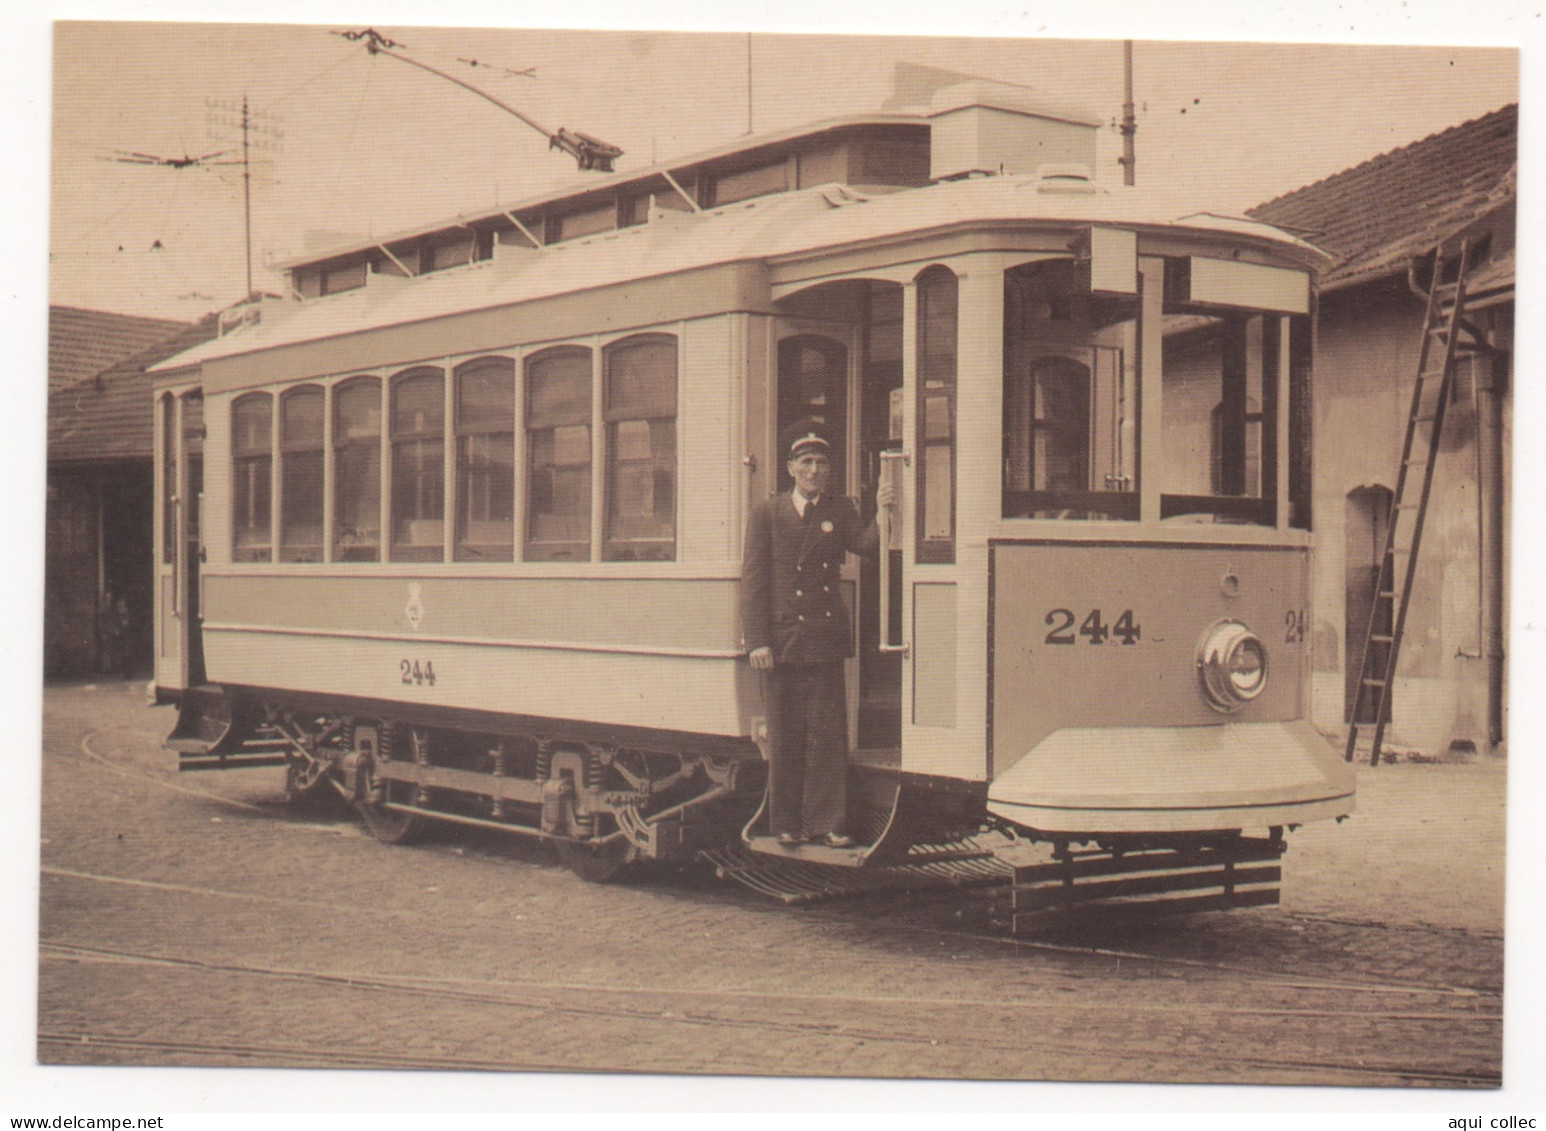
{"x":558,"y":461}
{"x":357,"y":470}
{"x":485,"y":460}
{"x":252,"y":467}
{"x":301,"y":441}
{"x":418,"y":465}
{"x":640,"y":410}
{"x":938,"y":301}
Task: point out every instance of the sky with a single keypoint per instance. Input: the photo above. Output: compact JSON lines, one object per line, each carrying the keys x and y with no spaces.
{"x":361,"y":145}
{"x":373,"y":146}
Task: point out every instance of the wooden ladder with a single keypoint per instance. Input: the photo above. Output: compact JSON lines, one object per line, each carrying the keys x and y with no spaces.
{"x":1444,"y":325}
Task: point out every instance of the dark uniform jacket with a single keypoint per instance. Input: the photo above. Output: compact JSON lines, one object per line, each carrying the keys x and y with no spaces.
{"x":790,"y":597}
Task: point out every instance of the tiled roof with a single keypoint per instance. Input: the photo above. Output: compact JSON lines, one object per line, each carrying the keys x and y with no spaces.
{"x":110,"y":416}
{"x":82,"y":343}
{"x":1374,"y":217}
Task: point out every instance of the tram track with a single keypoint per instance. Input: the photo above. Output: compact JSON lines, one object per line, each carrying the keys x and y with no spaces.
{"x":448,"y":988}
{"x":268,"y":1055}
{"x":900,"y":1022}
{"x":1278,"y":978}
{"x":87,"y":748}
{"x":721,"y":1009}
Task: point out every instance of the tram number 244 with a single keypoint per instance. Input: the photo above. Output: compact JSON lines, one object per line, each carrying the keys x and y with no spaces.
{"x":1126,"y":630}
{"x":416,"y":674}
{"x":1093,"y":628}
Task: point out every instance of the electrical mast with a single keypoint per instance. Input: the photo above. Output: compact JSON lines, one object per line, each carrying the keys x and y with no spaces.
{"x":263,"y":124}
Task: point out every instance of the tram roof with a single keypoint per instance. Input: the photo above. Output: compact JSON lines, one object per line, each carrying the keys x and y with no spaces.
{"x":791,"y":224}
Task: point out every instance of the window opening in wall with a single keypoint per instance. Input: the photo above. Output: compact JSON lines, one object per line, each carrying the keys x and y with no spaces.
{"x":349,"y":277}
{"x":937,"y":310}
{"x":485,"y":460}
{"x":357,"y":470}
{"x":574,"y":225}
{"x":1070,"y":398}
{"x":558,"y":445}
{"x":640,"y":415}
{"x":418,"y":466}
{"x":451,"y":253}
{"x":301,"y":440}
{"x":252,"y":419}
{"x":745,"y":184}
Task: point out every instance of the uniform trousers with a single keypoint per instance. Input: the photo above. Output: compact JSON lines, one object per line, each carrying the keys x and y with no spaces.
{"x":808,"y":732}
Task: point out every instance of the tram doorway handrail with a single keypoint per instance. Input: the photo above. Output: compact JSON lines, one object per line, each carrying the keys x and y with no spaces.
{"x":891,"y":463}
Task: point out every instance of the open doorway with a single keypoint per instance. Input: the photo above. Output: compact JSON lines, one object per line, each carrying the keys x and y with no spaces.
{"x":843,"y":367}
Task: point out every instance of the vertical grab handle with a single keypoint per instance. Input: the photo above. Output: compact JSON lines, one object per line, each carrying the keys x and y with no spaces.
{"x":890,"y":464}
{"x":179,"y":549}
{"x":199,"y":558}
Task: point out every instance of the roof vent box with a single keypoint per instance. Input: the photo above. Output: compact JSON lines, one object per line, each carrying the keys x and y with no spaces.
{"x":987,"y":127}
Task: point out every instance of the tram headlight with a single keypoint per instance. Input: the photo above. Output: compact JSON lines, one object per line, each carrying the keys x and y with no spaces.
{"x":1232,"y":665}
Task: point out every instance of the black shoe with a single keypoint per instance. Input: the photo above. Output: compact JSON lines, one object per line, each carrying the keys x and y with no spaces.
{"x":837,"y":840}
{"x":790,"y":840}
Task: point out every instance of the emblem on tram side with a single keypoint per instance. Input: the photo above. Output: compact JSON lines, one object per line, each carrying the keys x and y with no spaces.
{"x":415,"y":608}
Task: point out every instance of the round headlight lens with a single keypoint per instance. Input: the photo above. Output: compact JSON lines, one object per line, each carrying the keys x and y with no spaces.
{"x":1232,"y":664}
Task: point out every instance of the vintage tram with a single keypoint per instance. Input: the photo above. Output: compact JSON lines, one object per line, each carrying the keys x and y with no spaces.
{"x":454,"y":527}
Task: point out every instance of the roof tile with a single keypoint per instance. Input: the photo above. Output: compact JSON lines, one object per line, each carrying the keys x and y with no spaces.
{"x":1376,"y":216}
{"x":82,"y":343}
{"x":110,"y":415}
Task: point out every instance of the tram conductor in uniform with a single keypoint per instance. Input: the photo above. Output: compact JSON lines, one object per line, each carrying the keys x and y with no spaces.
{"x":797,"y":630}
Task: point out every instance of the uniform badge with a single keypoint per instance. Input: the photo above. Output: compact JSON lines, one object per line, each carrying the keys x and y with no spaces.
{"x":826,"y":526}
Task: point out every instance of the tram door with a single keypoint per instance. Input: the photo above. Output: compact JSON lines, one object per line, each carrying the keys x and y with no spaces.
{"x":180,"y":654}
{"x":817,"y":379}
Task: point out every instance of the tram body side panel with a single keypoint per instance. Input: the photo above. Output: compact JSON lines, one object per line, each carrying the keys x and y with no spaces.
{"x":656,"y":653}
{"x":1098,"y":721}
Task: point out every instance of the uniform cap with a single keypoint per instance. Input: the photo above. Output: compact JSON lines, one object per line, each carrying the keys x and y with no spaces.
{"x":804,"y":436}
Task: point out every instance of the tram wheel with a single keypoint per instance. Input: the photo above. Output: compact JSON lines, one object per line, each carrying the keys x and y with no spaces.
{"x":387,"y":825}
{"x":601,"y":863}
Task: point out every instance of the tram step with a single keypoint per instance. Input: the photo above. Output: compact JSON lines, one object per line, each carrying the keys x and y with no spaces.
{"x":810,"y":853}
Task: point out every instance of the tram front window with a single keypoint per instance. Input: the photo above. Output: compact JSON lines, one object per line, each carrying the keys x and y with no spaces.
{"x":1070,"y":398}
{"x":1220,"y":418}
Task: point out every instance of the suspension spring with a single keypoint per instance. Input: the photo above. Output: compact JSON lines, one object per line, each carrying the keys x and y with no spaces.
{"x":420,"y":738}
{"x":497,"y":756}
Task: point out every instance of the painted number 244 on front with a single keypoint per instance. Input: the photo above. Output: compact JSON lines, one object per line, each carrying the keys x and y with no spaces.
{"x":1126,"y":630}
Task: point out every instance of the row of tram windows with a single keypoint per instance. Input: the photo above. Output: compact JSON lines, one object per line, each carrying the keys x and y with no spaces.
{"x":450,"y":447}
{"x":1072,"y":413}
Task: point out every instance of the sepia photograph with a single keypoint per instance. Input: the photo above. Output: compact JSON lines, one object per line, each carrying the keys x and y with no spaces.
{"x":697,"y":555}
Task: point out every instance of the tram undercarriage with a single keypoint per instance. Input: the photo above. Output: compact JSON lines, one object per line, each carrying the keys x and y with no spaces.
{"x":604,"y":806}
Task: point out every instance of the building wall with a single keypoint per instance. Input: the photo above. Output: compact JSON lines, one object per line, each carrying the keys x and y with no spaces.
{"x":97,"y":599}
{"x":1366,"y":362}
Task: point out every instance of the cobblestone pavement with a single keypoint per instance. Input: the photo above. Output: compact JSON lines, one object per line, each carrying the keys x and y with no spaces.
{"x":200,"y":920}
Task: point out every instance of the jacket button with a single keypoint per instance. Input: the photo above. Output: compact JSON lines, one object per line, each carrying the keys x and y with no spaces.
{"x":799,"y":592}
{"x":801,"y":617}
{"x":826,"y":589}
{"x":829,"y":612}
